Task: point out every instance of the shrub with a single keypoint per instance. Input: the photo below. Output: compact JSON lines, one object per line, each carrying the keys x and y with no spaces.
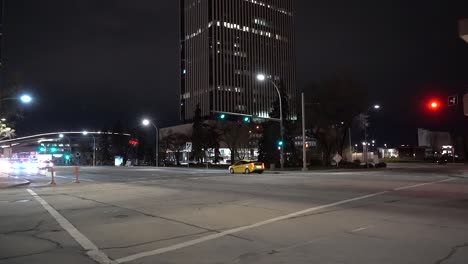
{"x":381,"y":165}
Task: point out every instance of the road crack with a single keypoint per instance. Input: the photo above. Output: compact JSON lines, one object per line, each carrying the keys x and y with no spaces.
{"x":155,"y":216}
{"x":452,"y":252}
{"x":34,"y":228}
{"x":155,"y":241}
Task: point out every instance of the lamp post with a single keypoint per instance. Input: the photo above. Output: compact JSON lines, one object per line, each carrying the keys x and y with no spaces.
{"x":147,"y":122}
{"x":85,"y":133}
{"x":262,"y":78}
{"x":366,"y":152}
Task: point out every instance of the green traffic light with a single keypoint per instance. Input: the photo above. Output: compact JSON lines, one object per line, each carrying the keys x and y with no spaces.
{"x":222,"y":116}
{"x":42,"y":149}
{"x":53,"y":150}
{"x":247,"y":119}
{"x":280,"y":143}
{"x":67,"y":157}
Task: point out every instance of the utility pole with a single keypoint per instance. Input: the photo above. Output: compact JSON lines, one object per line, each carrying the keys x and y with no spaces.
{"x":304,"y":150}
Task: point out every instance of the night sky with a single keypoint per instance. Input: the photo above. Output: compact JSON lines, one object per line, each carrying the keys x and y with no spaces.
{"x":90,"y":63}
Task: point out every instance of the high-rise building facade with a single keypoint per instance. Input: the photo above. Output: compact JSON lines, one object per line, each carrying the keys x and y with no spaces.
{"x":225,"y":44}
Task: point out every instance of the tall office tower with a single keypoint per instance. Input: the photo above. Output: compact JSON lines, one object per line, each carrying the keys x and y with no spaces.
{"x":225,"y":44}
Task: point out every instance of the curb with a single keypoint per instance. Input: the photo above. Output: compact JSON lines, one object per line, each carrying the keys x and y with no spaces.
{"x":26,"y":182}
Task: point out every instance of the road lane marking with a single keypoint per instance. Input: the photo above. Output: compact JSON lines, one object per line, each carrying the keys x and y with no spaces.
{"x":239,"y":229}
{"x":360,"y":229}
{"x":423,"y":184}
{"x":259,"y":224}
{"x":68,"y":178}
{"x":91,"y":250}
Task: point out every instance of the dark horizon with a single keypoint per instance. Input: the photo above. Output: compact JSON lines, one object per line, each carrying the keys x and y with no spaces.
{"x":90,"y":64}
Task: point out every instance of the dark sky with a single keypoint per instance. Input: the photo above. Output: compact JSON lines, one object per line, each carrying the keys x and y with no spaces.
{"x":90,"y":63}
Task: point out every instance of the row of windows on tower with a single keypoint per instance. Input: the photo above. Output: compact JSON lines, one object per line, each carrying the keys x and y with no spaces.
{"x":259,"y":3}
{"x":241,"y":28}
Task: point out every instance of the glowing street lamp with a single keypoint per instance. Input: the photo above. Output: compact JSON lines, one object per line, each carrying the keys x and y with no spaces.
{"x":261,"y":78}
{"x":147,"y":122}
{"x":26,"y":99}
{"x":375,"y":107}
{"x":85,"y":133}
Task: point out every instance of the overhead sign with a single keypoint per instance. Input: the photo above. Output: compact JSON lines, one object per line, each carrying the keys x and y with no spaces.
{"x":453,"y":100}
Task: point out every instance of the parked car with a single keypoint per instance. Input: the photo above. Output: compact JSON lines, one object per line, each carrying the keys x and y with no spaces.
{"x":247,"y":167}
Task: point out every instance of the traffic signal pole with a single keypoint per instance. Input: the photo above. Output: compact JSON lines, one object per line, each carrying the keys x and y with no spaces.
{"x":304,"y":151}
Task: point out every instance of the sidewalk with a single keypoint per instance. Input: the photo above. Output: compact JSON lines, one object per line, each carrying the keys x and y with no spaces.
{"x":8,"y":182}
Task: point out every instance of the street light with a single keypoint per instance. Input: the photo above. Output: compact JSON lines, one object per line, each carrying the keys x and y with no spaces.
{"x":262,"y":78}
{"x":147,"y":122}
{"x":26,"y":99}
{"x":85,"y":133}
{"x":366,"y":152}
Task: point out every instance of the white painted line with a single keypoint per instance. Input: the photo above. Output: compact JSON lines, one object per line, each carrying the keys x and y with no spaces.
{"x":359,"y":229}
{"x":259,"y":224}
{"x":239,"y":229}
{"x":423,"y":184}
{"x":68,"y":178}
{"x":91,"y":250}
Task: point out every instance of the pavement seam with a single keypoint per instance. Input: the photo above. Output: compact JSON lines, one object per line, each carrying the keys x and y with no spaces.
{"x":263,"y":223}
{"x":91,"y":249}
{"x":155,"y":241}
{"x":155,"y":216}
{"x":452,"y":252}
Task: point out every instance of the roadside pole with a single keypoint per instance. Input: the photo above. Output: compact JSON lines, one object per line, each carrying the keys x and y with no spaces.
{"x":350,"y":145}
{"x":304,"y":150}
{"x":52,"y":176}
{"x":77,"y":175}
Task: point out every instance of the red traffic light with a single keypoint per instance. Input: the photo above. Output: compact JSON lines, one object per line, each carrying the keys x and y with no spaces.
{"x":434,"y":105}
{"x":133,"y":142}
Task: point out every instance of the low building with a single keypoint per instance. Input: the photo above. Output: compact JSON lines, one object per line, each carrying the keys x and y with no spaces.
{"x":433,"y":140}
{"x":463,"y":29}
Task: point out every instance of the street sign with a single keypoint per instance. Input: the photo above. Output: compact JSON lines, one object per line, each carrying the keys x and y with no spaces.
{"x":188,"y":146}
{"x":453,"y":100}
{"x":337,"y":158}
{"x":465,"y":104}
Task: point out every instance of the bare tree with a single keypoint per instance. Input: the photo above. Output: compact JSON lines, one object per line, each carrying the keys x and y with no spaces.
{"x":177,"y":143}
{"x":235,"y":136}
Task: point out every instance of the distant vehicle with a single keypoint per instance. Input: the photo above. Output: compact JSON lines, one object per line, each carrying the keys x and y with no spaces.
{"x":45,"y":164}
{"x":247,"y":167}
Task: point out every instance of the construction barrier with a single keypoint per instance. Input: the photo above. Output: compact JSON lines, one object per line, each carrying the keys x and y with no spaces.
{"x":53,"y":170}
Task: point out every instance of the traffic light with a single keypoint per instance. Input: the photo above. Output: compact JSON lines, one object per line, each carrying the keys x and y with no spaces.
{"x":222,"y":116}
{"x":280,"y":143}
{"x":434,"y":105}
{"x":246,"y":119}
{"x":42,"y":149}
{"x":67,"y":157}
{"x":53,"y":149}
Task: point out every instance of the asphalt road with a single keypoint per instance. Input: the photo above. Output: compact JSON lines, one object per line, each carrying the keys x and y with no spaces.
{"x":406,"y":214}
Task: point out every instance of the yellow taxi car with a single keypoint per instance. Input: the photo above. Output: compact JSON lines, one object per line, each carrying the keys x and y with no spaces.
{"x":247,"y":167}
